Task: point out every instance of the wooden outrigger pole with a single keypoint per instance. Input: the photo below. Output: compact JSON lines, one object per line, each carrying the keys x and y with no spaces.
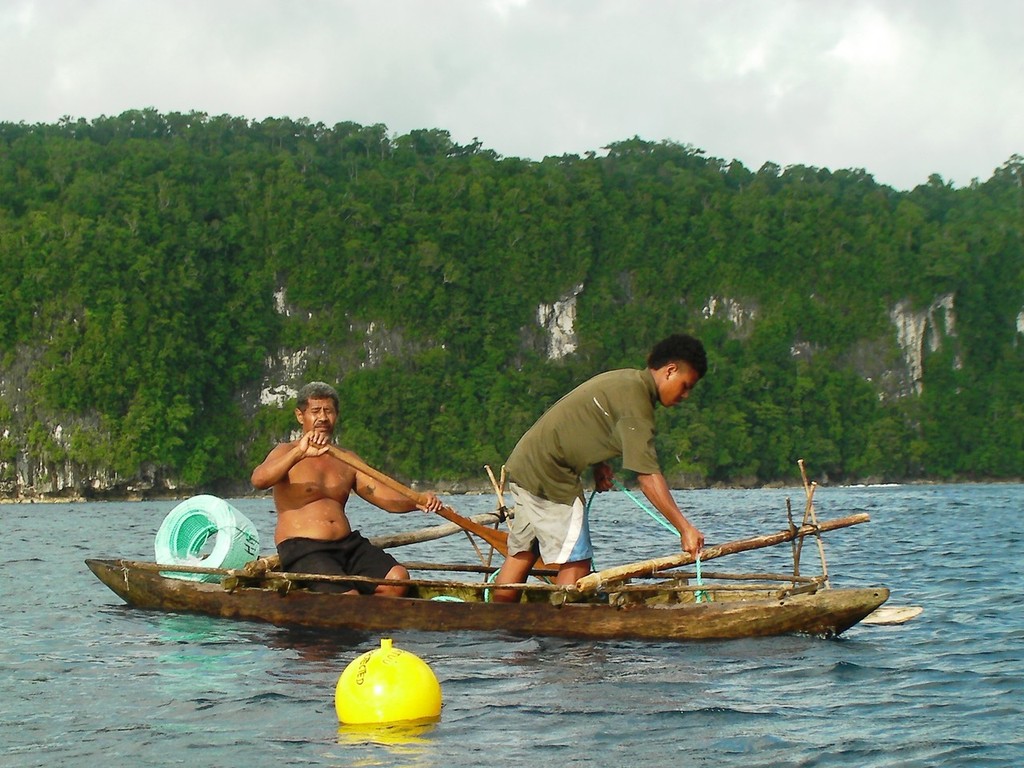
{"x":601,"y":579}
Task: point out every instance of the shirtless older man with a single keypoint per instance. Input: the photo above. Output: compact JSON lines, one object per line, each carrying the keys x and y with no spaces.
{"x":311,"y":489}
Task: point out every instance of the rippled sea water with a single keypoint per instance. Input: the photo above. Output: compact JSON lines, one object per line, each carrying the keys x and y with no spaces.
{"x":85,"y":680}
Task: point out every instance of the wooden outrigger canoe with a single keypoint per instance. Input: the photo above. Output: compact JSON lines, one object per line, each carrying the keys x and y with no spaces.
{"x":644,"y":600}
{"x":670,"y":609}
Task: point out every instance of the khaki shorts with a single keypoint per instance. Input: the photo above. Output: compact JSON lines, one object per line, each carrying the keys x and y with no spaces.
{"x":562,"y":531}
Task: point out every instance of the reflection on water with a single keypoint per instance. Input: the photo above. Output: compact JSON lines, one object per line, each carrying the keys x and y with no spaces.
{"x":318,"y":644}
{"x":191,"y":629}
{"x":405,"y":744}
{"x":390,"y":734}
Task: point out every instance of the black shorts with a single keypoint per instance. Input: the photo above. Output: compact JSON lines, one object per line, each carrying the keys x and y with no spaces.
{"x":350,"y":556}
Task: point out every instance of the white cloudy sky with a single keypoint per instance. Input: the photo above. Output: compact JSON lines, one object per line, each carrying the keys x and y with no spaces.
{"x":900,"y":88}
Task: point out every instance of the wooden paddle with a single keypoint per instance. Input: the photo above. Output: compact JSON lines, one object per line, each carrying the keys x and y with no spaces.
{"x":597,"y":580}
{"x":497,"y":539}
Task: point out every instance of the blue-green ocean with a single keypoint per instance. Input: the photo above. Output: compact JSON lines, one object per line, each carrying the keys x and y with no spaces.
{"x":87,"y":681}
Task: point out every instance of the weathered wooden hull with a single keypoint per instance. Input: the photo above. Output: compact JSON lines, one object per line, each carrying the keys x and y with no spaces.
{"x":827,"y":612}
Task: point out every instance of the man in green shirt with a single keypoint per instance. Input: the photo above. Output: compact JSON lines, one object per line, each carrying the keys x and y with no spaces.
{"x":609,"y":415}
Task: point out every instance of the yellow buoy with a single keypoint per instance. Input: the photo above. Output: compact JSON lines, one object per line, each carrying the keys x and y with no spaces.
{"x":387,"y":685}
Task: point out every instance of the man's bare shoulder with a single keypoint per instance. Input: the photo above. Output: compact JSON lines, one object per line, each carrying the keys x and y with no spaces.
{"x":283,"y":447}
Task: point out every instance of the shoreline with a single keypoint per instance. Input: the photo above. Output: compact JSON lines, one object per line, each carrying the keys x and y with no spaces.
{"x":471,"y":489}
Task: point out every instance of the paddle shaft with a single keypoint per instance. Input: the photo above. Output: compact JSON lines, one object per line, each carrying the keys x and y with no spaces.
{"x":599,"y":579}
{"x":497,"y":539}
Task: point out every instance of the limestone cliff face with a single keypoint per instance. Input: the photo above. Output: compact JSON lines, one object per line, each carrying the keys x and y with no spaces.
{"x":558,"y":321}
{"x":915,"y":334}
{"x":366,"y":346}
{"x":45,"y":471}
{"x":921,"y":332}
{"x":740,"y":315}
{"x":895,"y":365}
{"x":31,"y":477}
{"x":35,"y":477}
{"x":281,"y":374}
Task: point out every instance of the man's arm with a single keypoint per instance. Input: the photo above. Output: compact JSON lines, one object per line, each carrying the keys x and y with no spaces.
{"x":281,"y":459}
{"x":603,"y":476}
{"x":390,"y":500}
{"x":656,"y":489}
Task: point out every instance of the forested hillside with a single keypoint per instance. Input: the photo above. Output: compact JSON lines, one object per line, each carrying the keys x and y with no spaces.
{"x":162,"y":276}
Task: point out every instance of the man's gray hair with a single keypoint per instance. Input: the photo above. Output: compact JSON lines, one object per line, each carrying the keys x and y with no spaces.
{"x":317,"y":390}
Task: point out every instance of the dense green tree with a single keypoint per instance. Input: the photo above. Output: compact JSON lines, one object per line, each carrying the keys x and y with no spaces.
{"x":152,"y":267}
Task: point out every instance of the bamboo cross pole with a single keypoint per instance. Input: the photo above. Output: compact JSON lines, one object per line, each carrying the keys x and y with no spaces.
{"x":600,"y":579}
{"x":499,"y":492}
{"x":401,"y":539}
{"x":811,"y":516}
{"x":793,"y":544}
{"x":499,"y":487}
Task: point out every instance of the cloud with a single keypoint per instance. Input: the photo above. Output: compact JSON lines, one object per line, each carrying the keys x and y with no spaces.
{"x":902,"y":90}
